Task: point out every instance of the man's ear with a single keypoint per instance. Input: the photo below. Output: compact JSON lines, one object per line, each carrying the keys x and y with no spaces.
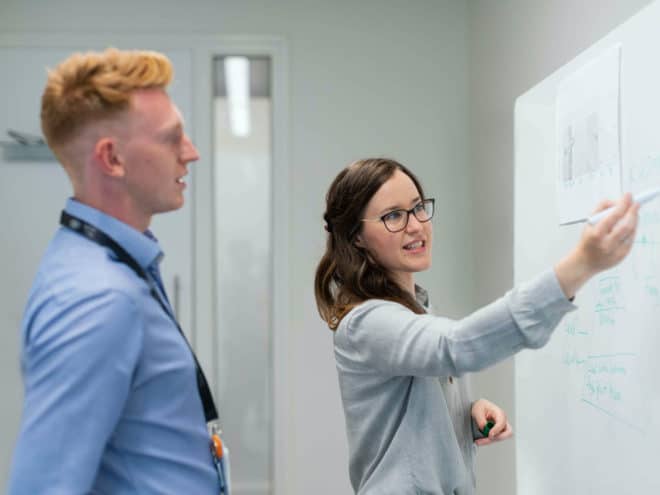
{"x":107,"y":157}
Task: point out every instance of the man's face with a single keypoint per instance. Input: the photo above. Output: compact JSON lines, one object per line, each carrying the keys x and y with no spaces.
{"x":155,"y":151}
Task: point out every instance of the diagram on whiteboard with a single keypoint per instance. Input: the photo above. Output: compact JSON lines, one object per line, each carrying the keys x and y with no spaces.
{"x":588,"y":137}
{"x":603,"y":360}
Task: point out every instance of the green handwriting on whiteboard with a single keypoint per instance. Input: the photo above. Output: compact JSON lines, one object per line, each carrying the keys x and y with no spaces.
{"x":572,"y":329}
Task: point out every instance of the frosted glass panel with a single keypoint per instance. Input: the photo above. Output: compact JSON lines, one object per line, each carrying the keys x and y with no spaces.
{"x":243,"y":265}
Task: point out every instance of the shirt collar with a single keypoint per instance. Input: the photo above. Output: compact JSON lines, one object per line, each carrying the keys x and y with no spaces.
{"x":142,"y":246}
{"x":422,"y":297}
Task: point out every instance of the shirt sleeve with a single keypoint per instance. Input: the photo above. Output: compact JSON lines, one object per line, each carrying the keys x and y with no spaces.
{"x":78,"y":361}
{"x":393,"y":340}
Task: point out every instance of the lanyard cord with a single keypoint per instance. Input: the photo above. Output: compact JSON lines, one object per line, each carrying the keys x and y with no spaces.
{"x":99,"y":237}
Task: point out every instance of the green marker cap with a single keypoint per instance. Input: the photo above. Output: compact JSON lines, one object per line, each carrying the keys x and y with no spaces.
{"x":487,"y":428}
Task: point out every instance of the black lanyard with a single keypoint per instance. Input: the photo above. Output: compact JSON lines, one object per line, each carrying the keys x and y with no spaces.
{"x":101,"y":238}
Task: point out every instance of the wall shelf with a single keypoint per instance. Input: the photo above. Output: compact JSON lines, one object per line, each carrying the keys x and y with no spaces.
{"x":38,"y":152}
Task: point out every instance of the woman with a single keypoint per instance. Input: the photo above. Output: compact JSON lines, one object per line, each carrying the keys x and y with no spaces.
{"x":410,"y":421}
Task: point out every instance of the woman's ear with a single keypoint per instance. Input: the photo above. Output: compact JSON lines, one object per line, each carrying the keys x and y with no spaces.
{"x":358,"y":241}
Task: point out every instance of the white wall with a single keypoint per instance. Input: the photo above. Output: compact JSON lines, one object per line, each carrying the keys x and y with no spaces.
{"x":366,"y":78}
{"x":514,"y":45}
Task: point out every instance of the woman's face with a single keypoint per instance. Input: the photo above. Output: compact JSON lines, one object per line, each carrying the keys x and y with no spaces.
{"x":400,"y":253}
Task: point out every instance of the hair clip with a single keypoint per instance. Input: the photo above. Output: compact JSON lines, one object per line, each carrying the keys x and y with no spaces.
{"x":328,"y":225}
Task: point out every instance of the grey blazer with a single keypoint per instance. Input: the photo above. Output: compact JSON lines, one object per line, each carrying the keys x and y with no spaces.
{"x":407,"y":411}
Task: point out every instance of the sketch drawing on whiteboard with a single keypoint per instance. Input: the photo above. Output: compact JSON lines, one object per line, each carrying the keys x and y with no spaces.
{"x":588,"y":136}
{"x":584,"y":149}
{"x":567,"y":162}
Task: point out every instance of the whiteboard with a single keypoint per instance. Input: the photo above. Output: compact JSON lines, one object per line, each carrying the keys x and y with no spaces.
{"x":588,"y":404}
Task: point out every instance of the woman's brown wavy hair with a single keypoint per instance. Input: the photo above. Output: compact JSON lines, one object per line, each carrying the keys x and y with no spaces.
{"x":347,"y":275}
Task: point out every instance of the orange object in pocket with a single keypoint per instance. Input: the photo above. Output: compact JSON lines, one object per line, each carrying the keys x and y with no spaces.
{"x":217,"y":445}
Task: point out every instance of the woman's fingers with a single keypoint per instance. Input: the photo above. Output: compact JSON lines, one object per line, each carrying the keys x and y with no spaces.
{"x":621,"y":207}
{"x":506,"y":432}
{"x":625,"y":228}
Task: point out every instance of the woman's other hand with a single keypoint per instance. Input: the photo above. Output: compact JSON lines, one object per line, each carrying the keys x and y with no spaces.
{"x":484,"y":411}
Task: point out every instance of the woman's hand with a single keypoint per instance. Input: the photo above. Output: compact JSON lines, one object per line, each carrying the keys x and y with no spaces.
{"x":601,"y":246}
{"x":484,"y":411}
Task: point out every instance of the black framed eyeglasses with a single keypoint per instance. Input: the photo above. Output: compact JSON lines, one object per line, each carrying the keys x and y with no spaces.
{"x":397,"y":220}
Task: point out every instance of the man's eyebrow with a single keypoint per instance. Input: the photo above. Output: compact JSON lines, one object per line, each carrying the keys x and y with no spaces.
{"x":172,"y":128}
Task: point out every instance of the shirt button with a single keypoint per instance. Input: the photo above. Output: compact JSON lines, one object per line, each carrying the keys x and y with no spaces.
{"x":451,"y":379}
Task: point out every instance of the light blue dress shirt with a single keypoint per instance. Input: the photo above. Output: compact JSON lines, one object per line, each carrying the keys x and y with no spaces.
{"x":111,"y":402}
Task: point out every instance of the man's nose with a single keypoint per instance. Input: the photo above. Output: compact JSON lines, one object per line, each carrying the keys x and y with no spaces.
{"x":190,"y":153}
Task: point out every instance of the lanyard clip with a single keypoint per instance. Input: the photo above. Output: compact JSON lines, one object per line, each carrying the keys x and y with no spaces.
{"x":215,"y":431}
{"x":219,"y":458}
{"x":213,"y":427}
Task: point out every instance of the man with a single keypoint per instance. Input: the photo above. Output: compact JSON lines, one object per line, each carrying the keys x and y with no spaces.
{"x":111,"y":395}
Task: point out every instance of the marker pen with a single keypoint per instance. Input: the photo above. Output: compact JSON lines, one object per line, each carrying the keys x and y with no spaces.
{"x":640,"y":198}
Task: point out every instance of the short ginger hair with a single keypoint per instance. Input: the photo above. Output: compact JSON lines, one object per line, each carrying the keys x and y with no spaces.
{"x":92,"y":86}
